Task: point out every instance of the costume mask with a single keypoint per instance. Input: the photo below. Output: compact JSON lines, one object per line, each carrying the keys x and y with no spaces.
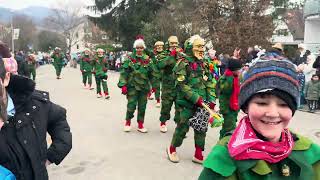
{"x":173,"y":42}
{"x":139,"y":50}
{"x":100,"y":53}
{"x":86,"y":52}
{"x":212,"y":54}
{"x":159,"y":46}
{"x":198,"y":48}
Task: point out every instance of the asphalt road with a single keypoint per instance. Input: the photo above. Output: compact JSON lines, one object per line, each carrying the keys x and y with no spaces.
{"x":101,"y":150}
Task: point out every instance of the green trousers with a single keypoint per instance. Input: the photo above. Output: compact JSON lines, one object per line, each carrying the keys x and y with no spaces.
{"x":87,"y":77}
{"x":58,"y":69}
{"x":101,"y":81}
{"x":168,"y":97}
{"x":158,"y":89}
{"x":183,"y":127}
{"x":229,"y":124}
{"x":135,"y":98}
{"x":32,"y":73}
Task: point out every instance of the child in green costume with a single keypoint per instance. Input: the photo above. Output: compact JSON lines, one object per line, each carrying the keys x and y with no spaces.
{"x":32,"y":65}
{"x":100,"y":70}
{"x":86,"y":62}
{"x":262,"y":147}
{"x":229,"y":87}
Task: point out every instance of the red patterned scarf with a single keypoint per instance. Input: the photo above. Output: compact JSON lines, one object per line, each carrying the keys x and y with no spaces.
{"x":234,"y":99}
{"x":244,"y":144}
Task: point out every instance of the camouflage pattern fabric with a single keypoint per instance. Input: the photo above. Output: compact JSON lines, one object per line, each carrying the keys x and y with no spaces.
{"x":230,"y":116}
{"x":136,"y":74}
{"x":58,"y":62}
{"x":157,"y":72}
{"x":100,"y":69}
{"x":86,"y":68}
{"x":168,"y":89}
{"x":193,"y":80}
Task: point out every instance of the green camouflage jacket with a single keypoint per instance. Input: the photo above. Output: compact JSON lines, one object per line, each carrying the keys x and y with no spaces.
{"x":136,"y":72}
{"x":100,"y":66}
{"x":58,"y":59}
{"x":225,"y":87}
{"x":157,"y":72}
{"x":86,"y":63}
{"x":193,"y":80}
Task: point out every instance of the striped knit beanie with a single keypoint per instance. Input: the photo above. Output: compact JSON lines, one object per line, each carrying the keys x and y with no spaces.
{"x":276,"y":77}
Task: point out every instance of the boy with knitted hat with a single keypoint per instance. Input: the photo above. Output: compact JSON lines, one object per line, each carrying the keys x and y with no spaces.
{"x":229,"y":90}
{"x":262,"y":147}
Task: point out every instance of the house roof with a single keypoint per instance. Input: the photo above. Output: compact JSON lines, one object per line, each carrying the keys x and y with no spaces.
{"x":295,"y":22}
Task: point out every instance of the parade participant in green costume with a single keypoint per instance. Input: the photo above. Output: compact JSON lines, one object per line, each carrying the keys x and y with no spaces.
{"x":194,"y":85}
{"x":229,"y":87}
{"x":32,"y":65}
{"x":58,"y":61}
{"x":100,"y":69}
{"x":159,"y":54}
{"x":168,"y":89}
{"x":262,"y":146}
{"x":86,"y":69}
{"x":135,"y":81}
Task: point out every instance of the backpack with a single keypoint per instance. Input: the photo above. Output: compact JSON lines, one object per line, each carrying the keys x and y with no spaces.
{"x":5,"y":174}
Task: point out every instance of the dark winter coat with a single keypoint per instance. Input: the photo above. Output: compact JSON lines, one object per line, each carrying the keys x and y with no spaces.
{"x":23,"y":145}
{"x":312,"y":90}
{"x":22,"y":66}
{"x":316,"y":65}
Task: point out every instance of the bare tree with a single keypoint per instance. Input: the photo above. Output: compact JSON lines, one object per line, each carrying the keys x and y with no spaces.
{"x":67,"y":20}
{"x":5,"y":33}
{"x":236,"y":23}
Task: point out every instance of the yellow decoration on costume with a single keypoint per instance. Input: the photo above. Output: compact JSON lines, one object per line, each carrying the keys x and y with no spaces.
{"x":285,"y":170}
{"x":181,"y":78}
{"x":205,"y":77}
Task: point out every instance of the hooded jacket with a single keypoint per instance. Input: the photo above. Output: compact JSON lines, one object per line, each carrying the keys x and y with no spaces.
{"x":23,"y":145}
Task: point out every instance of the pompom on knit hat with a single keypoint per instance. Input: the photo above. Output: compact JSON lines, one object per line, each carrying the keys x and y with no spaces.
{"x":275,"y":77}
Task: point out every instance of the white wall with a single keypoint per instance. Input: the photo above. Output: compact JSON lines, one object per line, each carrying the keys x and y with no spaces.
{"x":80,"y":40}
{"x":312,"y":34}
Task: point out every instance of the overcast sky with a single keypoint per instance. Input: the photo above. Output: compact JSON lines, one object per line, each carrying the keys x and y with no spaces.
{"x":19,"y":4}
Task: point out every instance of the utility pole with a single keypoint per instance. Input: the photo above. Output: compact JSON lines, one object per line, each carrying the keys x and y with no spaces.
{"x":12,"y":38}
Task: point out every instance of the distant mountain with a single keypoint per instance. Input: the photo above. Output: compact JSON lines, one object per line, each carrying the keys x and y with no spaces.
{"x":37,"y":13}
{"x":5,"y":15}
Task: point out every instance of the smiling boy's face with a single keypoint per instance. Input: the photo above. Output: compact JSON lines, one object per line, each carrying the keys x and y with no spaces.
{"x":269,"y":116}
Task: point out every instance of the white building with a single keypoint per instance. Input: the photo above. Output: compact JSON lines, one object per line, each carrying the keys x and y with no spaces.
{"x":289,"y":28}
{"x":312,"y":25}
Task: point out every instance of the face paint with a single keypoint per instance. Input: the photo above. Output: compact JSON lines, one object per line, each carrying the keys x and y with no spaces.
{"x":198,"y":48}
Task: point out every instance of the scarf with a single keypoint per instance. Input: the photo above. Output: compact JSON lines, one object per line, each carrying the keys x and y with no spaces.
{"x":234,"y":99}
{"x":244,"y":144}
